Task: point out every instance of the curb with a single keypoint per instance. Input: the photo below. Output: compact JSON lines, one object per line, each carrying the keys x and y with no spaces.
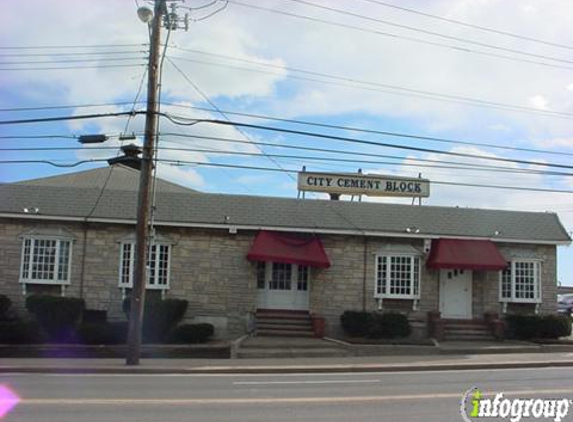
{"x":282,"y":369}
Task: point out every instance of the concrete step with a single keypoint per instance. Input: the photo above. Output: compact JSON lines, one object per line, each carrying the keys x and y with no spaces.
{"x":286,"y":343}
{"x":466,"y":329}
{"x":471,"y":334}
{"x":274,"y":326}
{"x":469,"y":337}
{"x":284,"y":333}
{"x":282,"y":316}
{"x":470,"y":330}
{"x":283,"y":323}
{"x":299,"y":321}
{"x":290,"y":353}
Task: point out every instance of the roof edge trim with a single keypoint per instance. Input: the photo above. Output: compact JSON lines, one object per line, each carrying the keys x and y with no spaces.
{"x":367,"y":233}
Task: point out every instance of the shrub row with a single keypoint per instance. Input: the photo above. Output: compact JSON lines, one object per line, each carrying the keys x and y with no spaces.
{"x":21,"y":332}
{"x":159,"y":317}
{"x":102,"y":333}
{"x":191,"y":333}
{"x":5,"y":303}
{"x":375,"y":325}
{"x":65,"y":320}
{"x":58,"y":316}
{"x":527,"y":327}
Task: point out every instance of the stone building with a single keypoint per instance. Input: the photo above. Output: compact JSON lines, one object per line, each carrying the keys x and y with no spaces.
{"x":231,"y":255}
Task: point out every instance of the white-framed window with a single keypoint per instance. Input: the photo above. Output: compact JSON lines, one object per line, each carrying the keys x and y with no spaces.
{"x":397,"y":276}
{"x":280,"y":276}
{"x":158,"y":265}
{"x":521,"y":282}
{"x":45,"y":260}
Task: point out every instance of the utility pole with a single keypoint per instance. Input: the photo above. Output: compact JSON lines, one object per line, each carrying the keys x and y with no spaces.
{"x":143,"y":202}
{"x":157,"y":18}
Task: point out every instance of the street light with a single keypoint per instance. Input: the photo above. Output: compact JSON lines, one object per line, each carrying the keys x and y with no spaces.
{"x":145,"y":14}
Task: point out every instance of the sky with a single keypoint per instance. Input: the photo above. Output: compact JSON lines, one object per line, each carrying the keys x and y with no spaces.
{"x":488,"y":78}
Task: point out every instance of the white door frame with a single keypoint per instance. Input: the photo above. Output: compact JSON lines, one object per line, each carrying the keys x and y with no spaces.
{"x":456,"y":296}
{"x":294,"y":298}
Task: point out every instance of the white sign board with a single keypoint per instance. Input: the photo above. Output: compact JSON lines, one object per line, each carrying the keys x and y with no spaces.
{"x":364,"y":184}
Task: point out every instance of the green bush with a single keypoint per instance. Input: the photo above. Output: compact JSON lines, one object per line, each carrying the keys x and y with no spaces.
{"x":527,"y":327}
{"x":58,"y":316}
{"x":94,"y":316}
{"x":389,"y":325}
{"x":375,"y":325}
{"x":159,"y":317}
{"x":101,"y":333}
{"x":191,"y":333}
{"x":20,"y":332}
{"x":523,"y":327}
{"x":356,"y":323}
{"x":5,"y":303}
{"x":555,"y":326}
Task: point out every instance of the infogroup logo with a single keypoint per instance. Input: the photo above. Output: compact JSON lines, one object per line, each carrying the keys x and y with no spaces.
{"x":475,"y":407}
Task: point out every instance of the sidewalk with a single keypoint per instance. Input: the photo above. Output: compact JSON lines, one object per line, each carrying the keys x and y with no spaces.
{"x":295,"y":365}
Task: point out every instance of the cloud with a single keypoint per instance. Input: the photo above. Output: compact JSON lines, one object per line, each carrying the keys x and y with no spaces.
{"x":538,"y":101}
{"x":476,"y":197}
{"x":555,"y":143}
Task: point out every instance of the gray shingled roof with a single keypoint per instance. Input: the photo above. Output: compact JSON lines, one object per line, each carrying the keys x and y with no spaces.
{"x":178,"y":206}
{"x":117,"y":177}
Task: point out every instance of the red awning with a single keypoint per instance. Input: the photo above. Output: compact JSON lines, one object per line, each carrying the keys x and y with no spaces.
{"x":465,"y":254}
{"x":289,"y":249}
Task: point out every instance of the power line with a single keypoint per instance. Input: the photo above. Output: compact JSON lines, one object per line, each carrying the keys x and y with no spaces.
{"x":362,"y":154}
{"x":476,"y":185}
{"x":58,"y":107}
{"x":202,"y":18}
{"x":58,"y":149}
{"x":65,"y":118}
{"x":49,"y":47}
{"x":89,"y":60}
{"x":190,"y":122}
{"x":301,"y":122}
{"x":72,"y":67}
{"x":461,"y":165}
{"x":403,"y":37}
{"x":260,"y":143}
{"x":135,"y":100}
{"x":92,"y":53}
{"x":212,"y":164}
{"x":426,"y":32}
{"x":322,"y":150}
{"x":206,"y":98}
{"x":39,"y":137}
{"x":376,"y":86}
{"x":52,"y":163}
{"x":413,"y":162}
{"x":346,"y":160}
{"x":470,"y":25}
{"x":185,"y":121}
{"x":380,"y":132}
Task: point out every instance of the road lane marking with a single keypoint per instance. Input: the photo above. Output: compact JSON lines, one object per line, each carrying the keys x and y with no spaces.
{"x":277,"y":375}
{"x":305,"y":382}
{"x":274,"y":400}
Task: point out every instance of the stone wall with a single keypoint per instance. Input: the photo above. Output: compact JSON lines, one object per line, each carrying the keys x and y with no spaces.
{"x":349,"y":284}
{"x":210,"y":270}
{"x":547,"y":254}
{"x":10,"y":260}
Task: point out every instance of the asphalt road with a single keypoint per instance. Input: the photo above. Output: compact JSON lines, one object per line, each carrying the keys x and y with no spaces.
{"x":402,"y":397}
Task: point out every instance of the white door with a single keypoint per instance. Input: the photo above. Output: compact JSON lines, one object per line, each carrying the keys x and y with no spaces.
{"x":282,"y":286}
{"x":456,"y":293}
